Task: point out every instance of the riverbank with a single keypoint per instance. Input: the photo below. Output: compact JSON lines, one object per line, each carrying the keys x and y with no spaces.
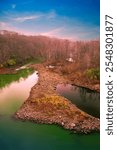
{"x":13,"y":69}
{"x":8,"y":70}
{"x":44,"y":105}
{"x":75,"y":75}
{"x":75,"y":78}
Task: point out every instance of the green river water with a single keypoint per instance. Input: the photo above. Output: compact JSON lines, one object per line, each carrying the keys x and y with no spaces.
{"x":18,"y":135}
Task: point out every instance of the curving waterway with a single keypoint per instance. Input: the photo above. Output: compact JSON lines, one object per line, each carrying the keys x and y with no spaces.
{"x":18,"y":135}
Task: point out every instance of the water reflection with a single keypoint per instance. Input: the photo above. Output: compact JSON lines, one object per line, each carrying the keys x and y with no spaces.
{"x":13,"y":95}
{"x":6,"y":79}
{"x":85,"y":99}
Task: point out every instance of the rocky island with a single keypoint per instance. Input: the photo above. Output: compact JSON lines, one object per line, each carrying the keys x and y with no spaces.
{"x":45,"y":105}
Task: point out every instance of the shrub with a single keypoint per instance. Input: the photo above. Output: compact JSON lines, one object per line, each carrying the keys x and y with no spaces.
{"x":11,"y":62}
{"x":93,"y":73}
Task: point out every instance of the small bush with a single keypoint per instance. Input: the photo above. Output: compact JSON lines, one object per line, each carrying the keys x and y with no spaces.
{"x":93,"y":73}
{"x":11,"y":62}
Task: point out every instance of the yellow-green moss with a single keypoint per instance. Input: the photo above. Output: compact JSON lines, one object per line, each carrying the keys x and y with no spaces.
{"x":54,"y":100}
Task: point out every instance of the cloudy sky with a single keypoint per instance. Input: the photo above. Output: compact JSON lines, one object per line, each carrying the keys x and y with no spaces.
{"x":70,"y":19}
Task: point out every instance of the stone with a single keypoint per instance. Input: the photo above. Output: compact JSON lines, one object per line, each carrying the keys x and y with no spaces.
{"x":72,"y":125}
{"x":62,"y":123}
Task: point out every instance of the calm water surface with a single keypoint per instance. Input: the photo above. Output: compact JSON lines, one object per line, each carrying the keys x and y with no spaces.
{"x":85,"y":99}
{"x":17,"y":135}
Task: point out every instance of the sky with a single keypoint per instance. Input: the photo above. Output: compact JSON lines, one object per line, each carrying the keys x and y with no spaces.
{"x":66,"y":19}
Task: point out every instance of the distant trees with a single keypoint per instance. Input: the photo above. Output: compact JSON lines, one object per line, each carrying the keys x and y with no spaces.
{"x":88,"y":54}
{"x":15,"y":48}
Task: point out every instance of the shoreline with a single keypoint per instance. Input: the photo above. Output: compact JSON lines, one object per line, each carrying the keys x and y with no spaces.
{"x":46,"y":106}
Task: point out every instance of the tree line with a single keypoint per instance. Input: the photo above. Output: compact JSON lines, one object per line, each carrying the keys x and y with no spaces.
{"x":19,"y":49}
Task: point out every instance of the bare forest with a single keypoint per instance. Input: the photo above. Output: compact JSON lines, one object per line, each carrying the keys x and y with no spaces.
{"x":19,"y":49}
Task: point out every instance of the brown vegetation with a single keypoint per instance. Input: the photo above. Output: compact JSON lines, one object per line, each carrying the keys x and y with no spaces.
{"x":16,"y":49}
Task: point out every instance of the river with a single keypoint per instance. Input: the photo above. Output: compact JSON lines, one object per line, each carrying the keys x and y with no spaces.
{"x":18,"y":135}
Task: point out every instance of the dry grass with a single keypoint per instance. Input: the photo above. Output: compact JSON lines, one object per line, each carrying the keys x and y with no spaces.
{"x":52,"y":104}
{"x":69,"y":68}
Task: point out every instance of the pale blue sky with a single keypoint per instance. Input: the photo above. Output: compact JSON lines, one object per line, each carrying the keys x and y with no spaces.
{"x":70,"y":19}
